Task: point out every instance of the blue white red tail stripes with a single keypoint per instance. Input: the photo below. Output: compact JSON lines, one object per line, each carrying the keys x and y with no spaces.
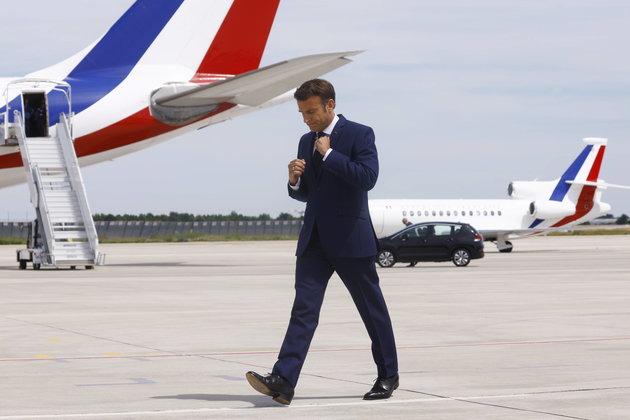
{"x":589,"y":160}
{"x":562,"y":188}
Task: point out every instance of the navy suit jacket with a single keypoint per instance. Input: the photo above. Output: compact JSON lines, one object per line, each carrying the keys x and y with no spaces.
{"x":337,"y":196}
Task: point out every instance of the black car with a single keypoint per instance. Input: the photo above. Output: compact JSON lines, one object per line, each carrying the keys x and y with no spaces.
{"x":432,"y":241}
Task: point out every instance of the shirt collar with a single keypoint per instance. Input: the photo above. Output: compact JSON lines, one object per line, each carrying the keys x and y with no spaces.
{"x":328,"y":130}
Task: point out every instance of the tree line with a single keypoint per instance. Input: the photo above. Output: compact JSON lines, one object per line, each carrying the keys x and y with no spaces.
{"x":621,"y":220}
{"x":188,"y":217}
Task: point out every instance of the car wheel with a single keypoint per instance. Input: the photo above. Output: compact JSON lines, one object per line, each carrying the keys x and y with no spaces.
{"x":386,"y":258}
{"x":461,"y":257}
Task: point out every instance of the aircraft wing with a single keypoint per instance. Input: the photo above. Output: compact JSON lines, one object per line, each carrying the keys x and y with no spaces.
{"x":519,"y":233}
{"x":258,"y":86}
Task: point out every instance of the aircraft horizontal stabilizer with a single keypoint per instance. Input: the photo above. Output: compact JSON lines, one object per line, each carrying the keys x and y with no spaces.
{"x":258,"y":86}
{"x":598,"y":184}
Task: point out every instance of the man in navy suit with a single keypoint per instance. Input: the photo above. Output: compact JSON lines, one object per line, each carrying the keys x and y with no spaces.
{"x":336,"y":165}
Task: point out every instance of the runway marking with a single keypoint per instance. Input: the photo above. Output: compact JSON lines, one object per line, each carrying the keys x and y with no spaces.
{"x":51,"y":358}
{"x":75,"y":338}
{"x":229,"y":378}
{"x":256,"y":352}
{"x":538,"y":367}
{"x":136,"y":381}
{"x":274,"y":407}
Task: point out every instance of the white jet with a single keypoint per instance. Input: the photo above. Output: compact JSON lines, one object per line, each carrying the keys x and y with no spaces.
{"x":535,"y":207}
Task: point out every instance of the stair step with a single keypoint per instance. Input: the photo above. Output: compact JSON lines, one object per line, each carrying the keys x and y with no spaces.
{"x":45,"y":162}
{"x":60,"y":194}
{"x":68,"y":217}
{"x":78,"y":252}
{"x":60,"y":208}
{"x":69,"y":235}
{"x":56,"y":177}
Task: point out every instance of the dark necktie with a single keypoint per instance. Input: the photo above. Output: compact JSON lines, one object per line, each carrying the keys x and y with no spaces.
{"x":317,"y":157}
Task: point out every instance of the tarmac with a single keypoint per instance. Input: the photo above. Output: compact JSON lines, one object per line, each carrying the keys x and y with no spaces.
{"x":168,"y":331}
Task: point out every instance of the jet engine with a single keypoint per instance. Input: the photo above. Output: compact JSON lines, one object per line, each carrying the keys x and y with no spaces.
{"x":551,"y":209}
{"x":531,"y":189}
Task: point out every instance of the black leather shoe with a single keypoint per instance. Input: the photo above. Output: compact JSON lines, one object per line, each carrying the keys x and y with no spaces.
{"x":383,"y":388}
{"x":273,"y":385}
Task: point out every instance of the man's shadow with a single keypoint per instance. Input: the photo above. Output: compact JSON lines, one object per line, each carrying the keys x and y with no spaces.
{"x":254,"y":400}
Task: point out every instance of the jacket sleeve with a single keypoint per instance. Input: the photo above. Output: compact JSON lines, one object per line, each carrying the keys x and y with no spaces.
{"x":301,"y":194}
{"x":361,"y":168}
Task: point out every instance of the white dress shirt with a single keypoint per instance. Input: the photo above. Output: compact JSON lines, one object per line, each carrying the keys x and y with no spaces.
{"x":328,"y":131}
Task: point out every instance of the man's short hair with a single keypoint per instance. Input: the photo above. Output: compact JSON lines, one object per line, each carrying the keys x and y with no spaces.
{"x":316,"y":87}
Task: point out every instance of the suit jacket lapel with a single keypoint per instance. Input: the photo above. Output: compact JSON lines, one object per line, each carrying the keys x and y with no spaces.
{"x":334,"y":136}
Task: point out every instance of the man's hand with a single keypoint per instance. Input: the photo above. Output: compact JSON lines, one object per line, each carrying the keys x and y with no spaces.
{"x":322,"y":145}
{"x":296,"y":168}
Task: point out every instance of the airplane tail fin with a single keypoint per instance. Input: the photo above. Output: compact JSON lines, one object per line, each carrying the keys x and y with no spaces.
{"x":240,"y":42}
{"x":211,"y":37}
{"x":583,"y":169}
{"x":574,"y":194}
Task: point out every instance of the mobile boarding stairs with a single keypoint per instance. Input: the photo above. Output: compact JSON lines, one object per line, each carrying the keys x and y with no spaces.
{"x":63,"y":235}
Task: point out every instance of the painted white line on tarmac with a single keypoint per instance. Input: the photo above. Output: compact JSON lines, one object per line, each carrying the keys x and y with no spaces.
{"x":292,"y":407}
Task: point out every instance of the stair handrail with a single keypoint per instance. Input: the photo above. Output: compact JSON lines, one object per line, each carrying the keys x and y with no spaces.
{"x":43,"y":212}
{"x":26,"y":156}
{"x":76,"y":181}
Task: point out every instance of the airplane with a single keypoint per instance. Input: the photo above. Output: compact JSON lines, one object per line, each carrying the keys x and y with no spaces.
{"x":535,"y":207}
{"x":165,"y":68}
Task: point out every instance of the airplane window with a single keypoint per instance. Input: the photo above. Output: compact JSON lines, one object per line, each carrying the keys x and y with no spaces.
{"x":404,"y":213}
{"x":492,"y":213}
{"x":441,"y":213}
{"x":448,"y":213}
{"x":455,"y":213}
{"x":433,"y":212}
{"x":478,"y":213}
{"x":485,"y":213}
{"x":411,"y":213}
{"x":426,"y":213}
{"x":470,"y":213}
{"x":499,"y":212}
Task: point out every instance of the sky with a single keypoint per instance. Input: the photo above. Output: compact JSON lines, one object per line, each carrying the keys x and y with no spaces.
{"x":464,"y":96}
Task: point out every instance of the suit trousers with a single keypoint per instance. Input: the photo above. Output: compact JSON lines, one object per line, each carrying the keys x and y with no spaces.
{"x":313,"y":270}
